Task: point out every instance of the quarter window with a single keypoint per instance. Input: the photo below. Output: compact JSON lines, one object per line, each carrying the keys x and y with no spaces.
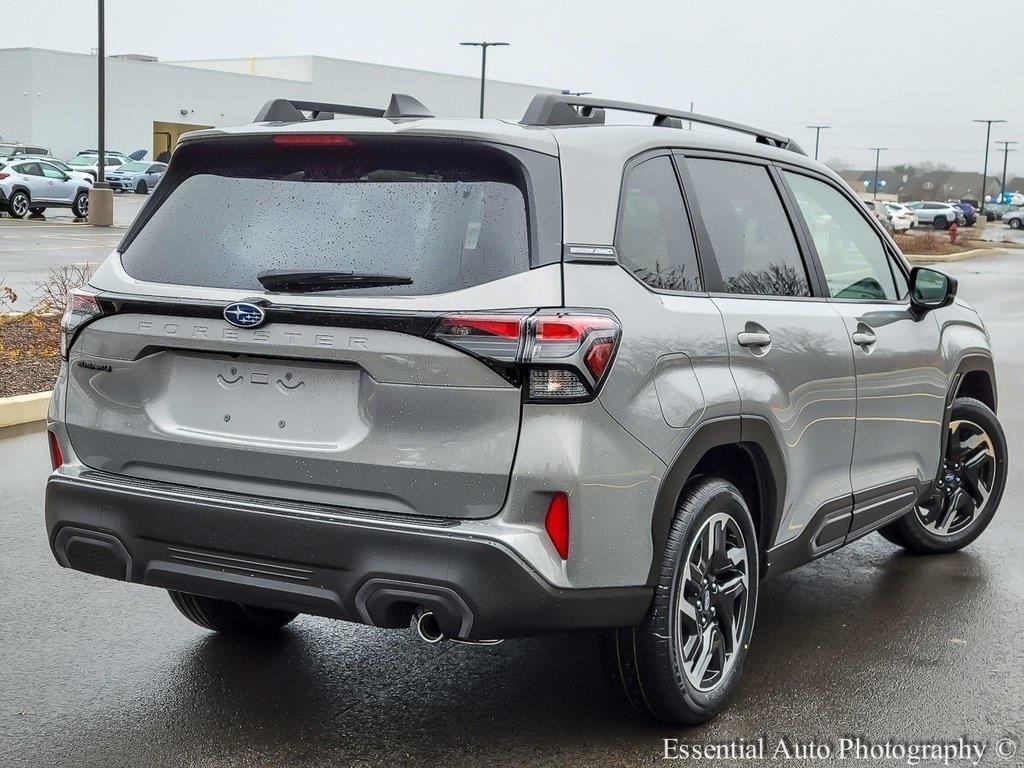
{"x":855,"y":262}
{"x":655,"y":240}
{"x":753,"y":240}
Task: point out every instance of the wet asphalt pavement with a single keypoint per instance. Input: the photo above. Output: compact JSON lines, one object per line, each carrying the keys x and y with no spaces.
{"x":866,"y":642}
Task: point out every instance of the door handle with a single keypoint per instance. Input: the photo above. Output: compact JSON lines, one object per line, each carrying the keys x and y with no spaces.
{"x":864,"y":338}
{"x":753,"y":338}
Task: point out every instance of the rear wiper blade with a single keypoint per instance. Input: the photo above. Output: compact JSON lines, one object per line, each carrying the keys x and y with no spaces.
{"x":312,"y":280}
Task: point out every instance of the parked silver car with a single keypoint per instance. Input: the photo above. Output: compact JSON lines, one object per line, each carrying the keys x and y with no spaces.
{"x":1014,"y":217}
{"x":32,"y":186}
{"x":493,"y":379}
{"x":10,"y":150}
{"x":139,"y":176}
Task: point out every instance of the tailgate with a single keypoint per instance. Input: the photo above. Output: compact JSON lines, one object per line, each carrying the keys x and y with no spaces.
{"x":367,"y":418}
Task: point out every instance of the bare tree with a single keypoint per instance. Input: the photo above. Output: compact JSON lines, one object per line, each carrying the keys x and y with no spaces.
{"x":51,"y":294}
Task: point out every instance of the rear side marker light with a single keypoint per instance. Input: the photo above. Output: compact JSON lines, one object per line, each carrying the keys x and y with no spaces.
{"x":557,"y":524}
{"x":560,"y":356}
{"x":56,"y":457}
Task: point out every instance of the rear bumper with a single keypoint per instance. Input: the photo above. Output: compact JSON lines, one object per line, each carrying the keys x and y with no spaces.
{"x":367,"y":569}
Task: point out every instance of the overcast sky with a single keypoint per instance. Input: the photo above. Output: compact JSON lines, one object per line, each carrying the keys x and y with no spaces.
{"x":906,"y":74}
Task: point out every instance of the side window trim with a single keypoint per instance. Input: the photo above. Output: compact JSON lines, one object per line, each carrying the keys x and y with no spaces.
{"x":628,"y":166}
{"x":717,"y":287}
{"x":891,"y":255}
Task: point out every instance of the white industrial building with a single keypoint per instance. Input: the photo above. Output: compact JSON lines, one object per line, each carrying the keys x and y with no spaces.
{"x":49,"y":97}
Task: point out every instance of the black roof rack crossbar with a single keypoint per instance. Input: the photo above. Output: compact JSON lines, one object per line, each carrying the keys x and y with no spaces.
{"x":291,"y":110}
{"x":564,"y":109}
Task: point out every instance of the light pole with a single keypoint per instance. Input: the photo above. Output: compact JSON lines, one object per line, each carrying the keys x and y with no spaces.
{"x":1006,"y":154}
{"x":988,"y":140}
{"x":878,"y":151}
{"x":483,"y":45}
{"x":817,"y":136}
{"x":101,"y":197}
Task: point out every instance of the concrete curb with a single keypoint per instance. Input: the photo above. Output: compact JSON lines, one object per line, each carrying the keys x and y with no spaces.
{"x":22,"y":409}
{"x":932,"y":258}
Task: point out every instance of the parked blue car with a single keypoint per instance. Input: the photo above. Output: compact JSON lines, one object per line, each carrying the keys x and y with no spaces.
{"x":139,"y":176}
{"x":970,"y":214}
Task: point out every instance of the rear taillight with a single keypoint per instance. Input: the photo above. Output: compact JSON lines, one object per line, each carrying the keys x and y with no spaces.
{"x":56,"y":457}
{"x":82,"y":307}
{"x":4,"y":176}
{"x":558,"y":356}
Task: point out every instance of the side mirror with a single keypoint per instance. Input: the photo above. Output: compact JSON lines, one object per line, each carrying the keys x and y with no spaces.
{"x":931,"y":289}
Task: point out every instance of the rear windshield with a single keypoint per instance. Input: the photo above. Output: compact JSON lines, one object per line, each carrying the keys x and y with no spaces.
{"x":446,"y":214}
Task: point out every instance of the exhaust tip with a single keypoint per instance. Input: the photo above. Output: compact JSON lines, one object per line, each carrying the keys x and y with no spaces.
{"x":428,"y":629}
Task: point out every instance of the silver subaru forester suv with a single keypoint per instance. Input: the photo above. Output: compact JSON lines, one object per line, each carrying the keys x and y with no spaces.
{"x":493,"y":379}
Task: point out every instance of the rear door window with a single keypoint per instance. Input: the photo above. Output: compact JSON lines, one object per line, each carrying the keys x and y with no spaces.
{"x":448,"y":215}
{"x":655,"y":240}
{"x":753,"y":241}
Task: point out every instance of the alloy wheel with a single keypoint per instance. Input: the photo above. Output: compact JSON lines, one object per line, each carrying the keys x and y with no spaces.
{"x":19,"y":205}
{"x":965,"y":482}
{"x":710,"y":602}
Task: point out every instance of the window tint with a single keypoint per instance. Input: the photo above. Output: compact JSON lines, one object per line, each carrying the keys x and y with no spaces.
{"x":29,"y":169}
{"x":855,"y":262}
{"x":754,"y":243}
{"x":655,"y":240}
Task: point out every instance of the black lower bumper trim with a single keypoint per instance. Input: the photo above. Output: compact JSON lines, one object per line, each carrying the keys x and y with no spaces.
{"x":368,"y":573}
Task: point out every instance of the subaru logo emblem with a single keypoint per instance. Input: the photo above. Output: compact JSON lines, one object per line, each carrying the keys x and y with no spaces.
{"x":244,"y":315}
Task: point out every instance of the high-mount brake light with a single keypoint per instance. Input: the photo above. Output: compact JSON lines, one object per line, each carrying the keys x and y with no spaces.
{"x":313,"y":139}
{"x":82,"y":307}
{"x":559,"y":356}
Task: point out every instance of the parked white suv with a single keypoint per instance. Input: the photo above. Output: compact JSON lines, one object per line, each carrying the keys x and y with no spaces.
{"x":32,"y":186}
{"x":940,"y":215}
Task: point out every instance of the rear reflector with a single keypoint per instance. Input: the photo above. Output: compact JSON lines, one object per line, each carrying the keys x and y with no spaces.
{"x":313,"y":140}
{"x":56,"y":457}
{"x":557,"y":524}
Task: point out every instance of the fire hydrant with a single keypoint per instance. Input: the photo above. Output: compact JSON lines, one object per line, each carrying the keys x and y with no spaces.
{"x":954,"y":232}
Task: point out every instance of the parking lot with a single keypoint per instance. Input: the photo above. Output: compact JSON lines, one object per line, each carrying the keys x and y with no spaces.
{"x":865,"y":641}
{"x":30,"y":246}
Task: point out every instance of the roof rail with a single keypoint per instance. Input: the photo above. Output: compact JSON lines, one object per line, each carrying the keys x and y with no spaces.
{"x":291,"y":110}
{"x":565,"y":109}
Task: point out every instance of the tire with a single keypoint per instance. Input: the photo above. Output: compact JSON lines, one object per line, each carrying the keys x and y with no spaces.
{"x":18,"y":205}
{"x":142,"y":188}
{"x":230,"y":618}
{"x":1016,"y":223}
{"x":968,"y":495}
{"x":940,"y":222}
{"x":37,"y":210}
{"x":648,"y":663}
{"x":80,"y":208}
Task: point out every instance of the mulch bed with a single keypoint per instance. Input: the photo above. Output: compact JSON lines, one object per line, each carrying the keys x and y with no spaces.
{"x":29,"y":354}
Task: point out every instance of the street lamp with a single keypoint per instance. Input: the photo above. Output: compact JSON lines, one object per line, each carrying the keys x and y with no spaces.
{"x":988,"y":140}
{"x":878,"y":151}
{"x":483,"y":45}
{"x":817,"y":136}
{"x":1006,"y":154}
{"x":101,"y":197}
